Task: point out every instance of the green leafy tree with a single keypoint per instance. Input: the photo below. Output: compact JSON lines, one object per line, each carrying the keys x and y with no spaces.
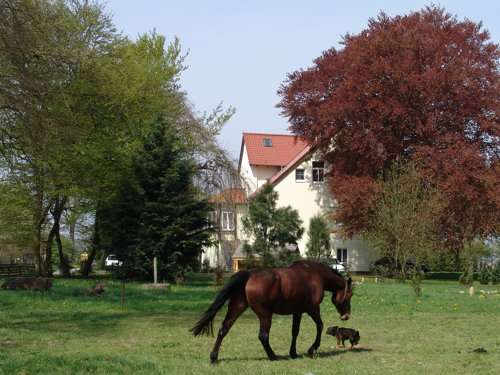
{"x":270,"y":227}
{"x":158,"y":212}
{"x":71,"y":123}
{"x":403,"y":220}
{"x":318,"y":246}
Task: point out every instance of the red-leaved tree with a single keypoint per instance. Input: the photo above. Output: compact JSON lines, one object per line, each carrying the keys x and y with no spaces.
{"x":425,"y":88}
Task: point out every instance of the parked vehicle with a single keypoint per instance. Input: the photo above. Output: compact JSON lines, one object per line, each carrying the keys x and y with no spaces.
{"x":336,"y":265}
{"x":112,"y":261}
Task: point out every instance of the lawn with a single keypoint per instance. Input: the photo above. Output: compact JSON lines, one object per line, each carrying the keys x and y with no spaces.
{"x":66,"y":332}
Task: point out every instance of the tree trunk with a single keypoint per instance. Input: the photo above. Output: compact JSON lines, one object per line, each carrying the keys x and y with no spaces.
{"x":86,"y":266}
{"x":37,"y":232}
{"x":57,"y":211}
{"x":64,"y":265}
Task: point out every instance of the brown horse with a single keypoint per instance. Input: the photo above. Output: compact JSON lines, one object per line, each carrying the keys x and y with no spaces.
{"x":294,"y":290}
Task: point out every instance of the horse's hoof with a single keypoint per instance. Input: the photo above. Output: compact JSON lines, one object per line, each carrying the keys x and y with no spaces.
{"x":293,"y":355}
{"x":311,"y":353}
{"x":273,"y":358}
{"x":213,"y":358}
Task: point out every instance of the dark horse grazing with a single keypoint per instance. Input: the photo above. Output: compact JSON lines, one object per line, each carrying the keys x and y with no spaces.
{"x":294,"y":290}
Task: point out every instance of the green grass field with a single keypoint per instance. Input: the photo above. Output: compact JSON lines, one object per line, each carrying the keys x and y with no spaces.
{"x":66,"y":332}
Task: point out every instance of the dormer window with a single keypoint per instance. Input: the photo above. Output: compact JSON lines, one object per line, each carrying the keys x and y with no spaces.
{"x":268,"y":142}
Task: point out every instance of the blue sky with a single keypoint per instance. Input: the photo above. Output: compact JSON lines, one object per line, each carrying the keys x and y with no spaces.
{"x":241,"y":51}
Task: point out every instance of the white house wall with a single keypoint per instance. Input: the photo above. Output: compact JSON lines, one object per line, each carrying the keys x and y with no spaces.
{"x":312,"y":198}
{"x":254,"y":176}
{"x":360,"y":256}
{"x":307,"y":197}
{"x":250,"y":181}
{"x":211,"y":252}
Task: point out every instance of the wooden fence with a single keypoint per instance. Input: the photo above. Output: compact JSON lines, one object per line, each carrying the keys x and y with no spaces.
{"x":7,"y":270}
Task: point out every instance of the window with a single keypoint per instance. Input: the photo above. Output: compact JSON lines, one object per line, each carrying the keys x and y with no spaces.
{"x":227,"y":220}
{"x":212,"y":218}
{"x":342,"y":255}
{"x":318,"y":171}
{"x":268,"y":142}
{"x":299,"y":174}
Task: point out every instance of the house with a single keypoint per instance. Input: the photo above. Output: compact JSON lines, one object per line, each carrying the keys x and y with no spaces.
{"x":229,"y":207}
{"x":11,"y":254}
{"x":298,"y":175}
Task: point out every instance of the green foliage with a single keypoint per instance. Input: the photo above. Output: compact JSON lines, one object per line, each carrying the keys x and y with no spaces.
{"x":158,"y":212}
{"x":15,"y":214}
{"x":416,"y":277}
{"x":76,"y":99}
{"x":403,"y":220}
{"x":495,"y":274}
{"x":467,"y":276}
{"x":271,"y":228}
{"x":484,"y":276}
{"x":318,"y":246}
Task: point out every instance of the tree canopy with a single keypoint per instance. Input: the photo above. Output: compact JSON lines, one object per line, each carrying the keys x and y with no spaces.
{"x":318,"y":244}
{"x":77,"y":99}
{"x":423,"y":87}
{"x":158,"y":212}
{"x":271,"y":228}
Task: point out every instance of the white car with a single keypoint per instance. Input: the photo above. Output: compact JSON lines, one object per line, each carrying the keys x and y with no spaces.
{"x":336,"y":265}
{"x":112,"y":261}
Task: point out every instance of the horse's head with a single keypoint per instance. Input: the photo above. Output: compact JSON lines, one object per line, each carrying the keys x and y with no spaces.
{"x":341,"y":298}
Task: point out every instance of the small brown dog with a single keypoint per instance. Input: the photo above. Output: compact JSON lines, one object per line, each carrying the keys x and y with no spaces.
{"x":343,"y":334}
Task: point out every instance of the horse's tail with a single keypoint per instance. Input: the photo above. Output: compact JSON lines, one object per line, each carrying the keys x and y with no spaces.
{"x":236,"y":283}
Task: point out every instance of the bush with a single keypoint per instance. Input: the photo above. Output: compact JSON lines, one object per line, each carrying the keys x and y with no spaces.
{"x":495,"y":275}
{"x":382,"y":272}
{"x":445,"y":275}
{"x":416,"y":280}
{"x":484,"y":276}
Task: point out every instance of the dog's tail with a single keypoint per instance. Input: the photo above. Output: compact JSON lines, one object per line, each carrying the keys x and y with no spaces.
{"x":236,"y":283}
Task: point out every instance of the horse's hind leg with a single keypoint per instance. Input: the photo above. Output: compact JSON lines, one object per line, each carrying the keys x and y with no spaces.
{"x":265,"y":328}
{"x":237,"y":304}
{"x":315,"y":315}
{"x":295,"y":332}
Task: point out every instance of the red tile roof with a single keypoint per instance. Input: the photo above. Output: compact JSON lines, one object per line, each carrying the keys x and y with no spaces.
{"x":229,"y":196}
{"x":284,"y":148}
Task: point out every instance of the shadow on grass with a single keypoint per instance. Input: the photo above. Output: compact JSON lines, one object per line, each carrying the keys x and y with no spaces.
{"x":87,"y":323}
{"x":332,"y":353}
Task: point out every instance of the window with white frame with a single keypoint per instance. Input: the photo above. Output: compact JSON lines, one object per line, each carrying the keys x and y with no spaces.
{"x":342,"y":255}
{"x":299,"y":174}
{"x":318,"y":171}
{"x":227,"y":220}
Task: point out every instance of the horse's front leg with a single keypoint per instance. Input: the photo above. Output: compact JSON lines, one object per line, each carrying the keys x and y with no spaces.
{"x":295,"y":332}
{"x":315,"y":315}
{"x":265,"y":328}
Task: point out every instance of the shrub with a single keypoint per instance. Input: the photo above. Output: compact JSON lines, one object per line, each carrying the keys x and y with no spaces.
{"x":495,"y":275}
{"x":382,"y":272}
{"x":446,"y":275}
{"x":484,"y":276}
{"x":416,"y":280}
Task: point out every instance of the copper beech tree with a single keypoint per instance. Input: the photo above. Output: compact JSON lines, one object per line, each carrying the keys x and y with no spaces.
{"x":424,"y":88}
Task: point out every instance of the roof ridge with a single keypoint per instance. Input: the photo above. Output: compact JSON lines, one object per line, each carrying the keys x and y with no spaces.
{"x":274,"y":134}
